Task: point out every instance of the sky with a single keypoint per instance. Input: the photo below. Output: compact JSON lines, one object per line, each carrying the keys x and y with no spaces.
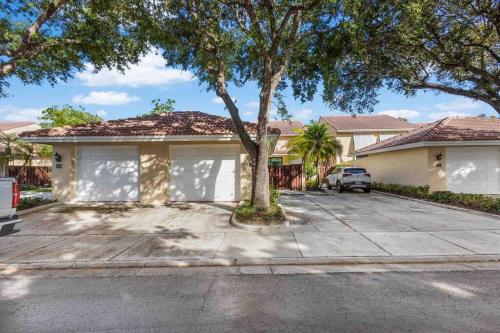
{"x":113,"y":95}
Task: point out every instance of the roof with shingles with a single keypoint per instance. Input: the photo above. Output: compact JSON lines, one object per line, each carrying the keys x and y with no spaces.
{"x":376,"y":122}
{"x":447,"y":129}
{"x":169,"y":124}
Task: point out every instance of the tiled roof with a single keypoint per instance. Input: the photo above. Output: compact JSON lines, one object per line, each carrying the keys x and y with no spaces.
{"x":4,"y":126}
{"x":378,"y":122}
{"x":170,"y":124}
{"x":447,"y":129}
{"x":287,"y":127}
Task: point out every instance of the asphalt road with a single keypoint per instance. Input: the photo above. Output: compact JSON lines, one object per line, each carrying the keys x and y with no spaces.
{"x":350,"y":302}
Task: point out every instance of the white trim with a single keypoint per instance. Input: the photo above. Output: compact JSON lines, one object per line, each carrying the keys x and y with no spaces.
{"x":430,"y":144}
{"x":146,"y":138}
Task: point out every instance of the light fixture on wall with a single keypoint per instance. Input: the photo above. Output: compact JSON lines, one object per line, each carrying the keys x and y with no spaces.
{"x":439,"y":157}
{"x":57,"y":157}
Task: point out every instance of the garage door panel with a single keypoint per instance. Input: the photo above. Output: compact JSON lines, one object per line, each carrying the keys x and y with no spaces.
{"x":107,"y":174}
{"x":473,"y":169}
{"x":204,"y":174}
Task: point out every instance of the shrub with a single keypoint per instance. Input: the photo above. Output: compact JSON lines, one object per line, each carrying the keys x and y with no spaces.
{"x":247,"y":213}
{"x":274,"y":196}
{"x":274,"y":215}
{"x":466,"y":200}
{"x":27,"y":203}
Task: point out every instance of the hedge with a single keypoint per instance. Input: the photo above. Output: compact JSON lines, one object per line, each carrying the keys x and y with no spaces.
{"x":472,"y":201}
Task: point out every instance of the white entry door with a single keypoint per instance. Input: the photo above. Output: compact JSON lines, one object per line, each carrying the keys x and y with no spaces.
{"x":107,"y":173}
{"x":204,"y":173}
{"x":473,"y":169}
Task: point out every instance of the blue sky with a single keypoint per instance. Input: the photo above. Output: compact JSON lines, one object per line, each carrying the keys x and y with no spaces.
{"x":113,"y":95}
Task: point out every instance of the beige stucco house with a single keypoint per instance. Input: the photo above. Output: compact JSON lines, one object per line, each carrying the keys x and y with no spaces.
{"x":179,"y":156}
{"x":453,"y":154}
{"x":16,"y":127}
{"x":356,"y":132}
{"x":281,"y":154}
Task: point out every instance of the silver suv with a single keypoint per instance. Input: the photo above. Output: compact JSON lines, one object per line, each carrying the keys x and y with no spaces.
{"x":349,"y":177}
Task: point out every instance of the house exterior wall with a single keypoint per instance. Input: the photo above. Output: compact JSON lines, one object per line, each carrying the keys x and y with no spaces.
{"x":406,"y":167}
{"x":282,"y":150}
{"x":154,"y":170}
{"x":437,"y":169}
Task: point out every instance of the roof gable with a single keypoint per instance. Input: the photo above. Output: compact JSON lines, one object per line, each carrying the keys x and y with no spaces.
{"x":4,"y":126}
{"x":287,"y":127}
{"x":447,"y":129}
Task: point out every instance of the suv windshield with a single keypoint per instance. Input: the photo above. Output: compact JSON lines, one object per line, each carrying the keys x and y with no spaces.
{"x":355,"y":170}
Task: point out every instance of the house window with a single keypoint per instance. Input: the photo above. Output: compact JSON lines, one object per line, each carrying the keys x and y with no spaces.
{"x":275,"y":161}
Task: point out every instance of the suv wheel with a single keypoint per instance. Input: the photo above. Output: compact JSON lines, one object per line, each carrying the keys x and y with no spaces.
{"x":367,"y":190}
{"x":328,"y":186}
{"x":340,"y":188}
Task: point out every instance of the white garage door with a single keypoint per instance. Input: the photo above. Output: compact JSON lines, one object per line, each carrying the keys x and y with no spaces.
{"x":204,"y":173}
{"x":107,"y":173}
{"x":473,"y":169}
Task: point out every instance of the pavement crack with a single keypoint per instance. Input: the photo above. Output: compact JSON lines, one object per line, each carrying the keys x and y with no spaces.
{"x":209,"y":291}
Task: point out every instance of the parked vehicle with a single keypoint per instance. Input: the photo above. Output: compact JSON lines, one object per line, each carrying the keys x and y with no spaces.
{"x":10,"y":197}
{"x":349,"y":178}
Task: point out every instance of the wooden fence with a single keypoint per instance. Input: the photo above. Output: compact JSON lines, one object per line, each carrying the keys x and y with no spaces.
{"x":31,"y":175}
{"x":286,"y":177}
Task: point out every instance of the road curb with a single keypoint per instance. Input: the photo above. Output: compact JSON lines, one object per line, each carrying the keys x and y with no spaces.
{"x":38,"y":208}
{"x":472,"y":211}
{"x":249,"y":262}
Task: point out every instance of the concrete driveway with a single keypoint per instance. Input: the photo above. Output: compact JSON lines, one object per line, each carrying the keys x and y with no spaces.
{"x":323,"y":226}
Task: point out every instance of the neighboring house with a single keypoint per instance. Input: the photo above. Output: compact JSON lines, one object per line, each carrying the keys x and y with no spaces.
{"x":178,"y":156}
{"x":356,"y":132}
{"x":453,"y":154}
{"x":281,"y":154}
{"x":16,"y":127}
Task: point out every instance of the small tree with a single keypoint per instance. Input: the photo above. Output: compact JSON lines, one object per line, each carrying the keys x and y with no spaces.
{"x":315,"y":145}
{"x":273,"y":43}
{"x":66,"y":115}
{"x":160,"y":107}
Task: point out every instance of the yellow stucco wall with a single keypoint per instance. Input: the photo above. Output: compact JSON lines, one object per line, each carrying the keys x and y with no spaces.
{"x":436,"y":169}
{"x":154,"y":170}
{"x":406,"y":167}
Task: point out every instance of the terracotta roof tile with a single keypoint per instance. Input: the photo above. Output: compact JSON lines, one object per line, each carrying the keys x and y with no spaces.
{"x":447,"y":129}
{"x":170,"y":124}
{"x":287,"y":127}
{"x":378,"y":122}
{"x":4,"y":126}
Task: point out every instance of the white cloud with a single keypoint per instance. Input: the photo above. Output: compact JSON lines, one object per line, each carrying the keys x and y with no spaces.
{"x":303,"y":114}
{"x":12,"y":113}
{"x":217,"y":100}
{"x":150,"y":71}
{"x":101,"y":113}
{"x":458,"y":104}
{"x":404,"y":113}
{"x":441,"y":115}
{"x":105,"y":98}
{"x":249,"y":113}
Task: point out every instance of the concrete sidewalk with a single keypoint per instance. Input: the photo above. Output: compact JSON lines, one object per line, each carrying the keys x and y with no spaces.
{"x":330,"y":228}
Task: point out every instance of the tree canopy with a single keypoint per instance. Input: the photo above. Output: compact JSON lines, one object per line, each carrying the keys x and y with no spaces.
{"x":277,"y":44}
{"x":66,"y":115}
{"x":160,"y":107}
{"x":50,"y":39}
{"x":450,"y":46}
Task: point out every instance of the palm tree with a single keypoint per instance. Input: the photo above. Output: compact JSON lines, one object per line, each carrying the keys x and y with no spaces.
{"x":8,"y":141}
{"x":315,"y":144}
